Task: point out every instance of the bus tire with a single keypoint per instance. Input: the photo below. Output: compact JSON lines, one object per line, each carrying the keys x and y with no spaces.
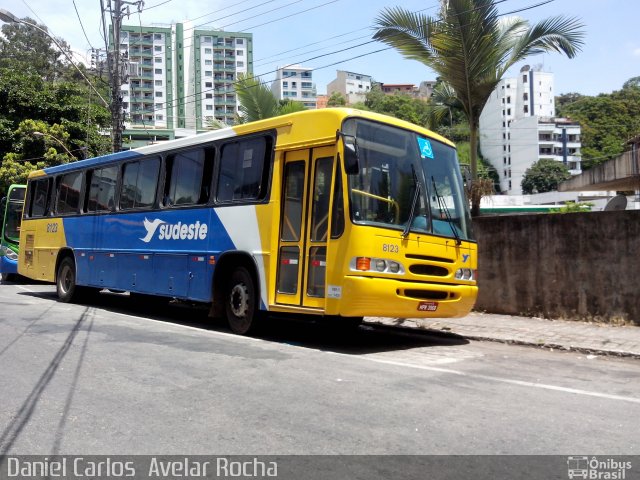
{"x":66,"y":287}
{"x":8,"y":277}
{"x":240,"y":302}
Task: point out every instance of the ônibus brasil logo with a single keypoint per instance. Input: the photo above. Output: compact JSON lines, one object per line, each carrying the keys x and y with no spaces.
{"x":174,"y":231}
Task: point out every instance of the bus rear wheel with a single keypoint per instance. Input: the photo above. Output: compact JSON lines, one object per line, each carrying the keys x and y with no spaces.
{"x":240,"y":302}
{"x":66,"y":280}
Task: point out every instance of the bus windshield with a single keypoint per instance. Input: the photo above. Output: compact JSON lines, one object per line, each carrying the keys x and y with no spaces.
{"x":406,"y":181}
{"x":13,"y":214}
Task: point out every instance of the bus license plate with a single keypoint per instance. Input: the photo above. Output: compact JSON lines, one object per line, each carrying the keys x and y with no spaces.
{"x":427,"y":306}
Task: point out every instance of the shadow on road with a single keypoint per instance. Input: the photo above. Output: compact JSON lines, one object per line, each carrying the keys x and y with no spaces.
{"x":368,"y":338}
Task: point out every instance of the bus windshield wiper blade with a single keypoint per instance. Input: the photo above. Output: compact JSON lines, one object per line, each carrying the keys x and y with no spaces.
{"x":416,"y":196}
{"x":443,"y":206}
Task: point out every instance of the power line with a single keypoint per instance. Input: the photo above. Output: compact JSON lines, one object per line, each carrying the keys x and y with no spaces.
{"x":81,"y":25}
{"x":175,"y":101}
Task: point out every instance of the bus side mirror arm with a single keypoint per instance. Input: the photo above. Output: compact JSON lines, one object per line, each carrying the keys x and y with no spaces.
{"x":351,"y":157}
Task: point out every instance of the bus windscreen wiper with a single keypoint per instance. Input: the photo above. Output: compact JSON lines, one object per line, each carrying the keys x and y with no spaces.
{"x":443,"y":207}
{"x":416,"y":196}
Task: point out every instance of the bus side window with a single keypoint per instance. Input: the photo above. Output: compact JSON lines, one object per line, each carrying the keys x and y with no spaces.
{"x":243,"y":168}
{"x":68,"y":199}
{"x":188,"y":177}
{"x":39,"y":200}
{"x":102,"y":189}
{"x":139,"y":184}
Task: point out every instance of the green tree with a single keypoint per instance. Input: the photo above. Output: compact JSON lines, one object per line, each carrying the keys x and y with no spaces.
{"x":607,"y":121}
{"x":402,"y":106}
{"x":257,"y":102}
{"x":544,"y":176}
{"x":336,"y":99}
{"x":26,"y":47}
{"x":471,"y":48}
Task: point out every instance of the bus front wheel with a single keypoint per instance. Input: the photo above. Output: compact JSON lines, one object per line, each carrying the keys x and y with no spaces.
{"x":240,"y":302}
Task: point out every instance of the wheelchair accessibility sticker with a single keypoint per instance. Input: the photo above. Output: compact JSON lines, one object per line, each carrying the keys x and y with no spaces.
{"x":425,"y":148}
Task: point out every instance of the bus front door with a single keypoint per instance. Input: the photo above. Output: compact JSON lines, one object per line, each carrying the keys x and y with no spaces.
{"x":304,"y":227}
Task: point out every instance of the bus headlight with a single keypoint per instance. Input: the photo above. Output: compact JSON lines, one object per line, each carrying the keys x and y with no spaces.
{"x":465,"y":274}
{"x":379,"y":265}
{"x":10,"y":254}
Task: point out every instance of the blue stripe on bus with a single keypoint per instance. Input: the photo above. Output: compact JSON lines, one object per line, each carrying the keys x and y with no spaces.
{"x":90,"y":162}
{"x":110,"y":250}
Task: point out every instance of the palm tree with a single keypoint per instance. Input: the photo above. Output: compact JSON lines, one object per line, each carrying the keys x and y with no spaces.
{"x":471,"y":48}
{"x":257,"y":102}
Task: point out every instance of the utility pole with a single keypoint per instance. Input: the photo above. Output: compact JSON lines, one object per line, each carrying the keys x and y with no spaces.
{"x":117,"y":66}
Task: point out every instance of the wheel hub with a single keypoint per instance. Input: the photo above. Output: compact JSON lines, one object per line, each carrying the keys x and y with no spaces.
{"x":239,"y":300}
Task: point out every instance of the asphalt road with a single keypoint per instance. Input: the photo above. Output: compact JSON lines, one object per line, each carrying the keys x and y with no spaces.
{"x":119,"y":378}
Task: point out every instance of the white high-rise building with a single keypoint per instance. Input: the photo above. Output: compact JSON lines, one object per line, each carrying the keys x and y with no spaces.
{"x":518,"y":127}
{"x":295,"y":82}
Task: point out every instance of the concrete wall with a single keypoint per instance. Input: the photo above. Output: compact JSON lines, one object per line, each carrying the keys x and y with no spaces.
{"x":580,"y":266}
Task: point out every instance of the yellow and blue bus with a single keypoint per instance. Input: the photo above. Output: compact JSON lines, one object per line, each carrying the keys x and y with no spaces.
{"x":11,"y":208}
{"x":335,"y":212}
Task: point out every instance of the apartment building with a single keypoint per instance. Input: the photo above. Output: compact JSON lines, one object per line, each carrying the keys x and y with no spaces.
{"x":353,"y":86}
{"x":180,"y":78}
{"x":518,"y":127}
{"x":295,"y":82}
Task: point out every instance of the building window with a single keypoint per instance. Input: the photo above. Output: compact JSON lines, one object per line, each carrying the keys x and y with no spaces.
{"x":208,"y":73}
{"x":208,"y":61}
{"x":158,"y":71}
{"x":158,"y":106}
{"x":157,"y":48}
{"x":240,"y":53}
{"x":208,"y":85}
{"x":157,"y":36}
{"x":206,"y":39}
{"x":158,"y":83}
{"x":240,"y":64}
{"x":159,"y":117}
{"x":285,"y":84}
{"x":159,"y":94}
{"x":209,"y":95}
{"x":526,"y":109}
{"x":524,"y":79}
{"x":209,"y":107}
{"x":208,"y":51}
{"x":158,"y":59}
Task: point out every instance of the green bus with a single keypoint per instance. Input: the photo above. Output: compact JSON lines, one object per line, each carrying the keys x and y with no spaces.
{"x":11,"y":208}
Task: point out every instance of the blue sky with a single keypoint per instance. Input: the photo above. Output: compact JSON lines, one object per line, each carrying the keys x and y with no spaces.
{"x":610,"y":56}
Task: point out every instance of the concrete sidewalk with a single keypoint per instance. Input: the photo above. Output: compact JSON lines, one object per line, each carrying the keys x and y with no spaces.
{"x":561,"y":334}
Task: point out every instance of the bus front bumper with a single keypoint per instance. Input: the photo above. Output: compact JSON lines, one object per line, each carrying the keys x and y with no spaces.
{"x":7,"y":265}
{"x":381,"y":297}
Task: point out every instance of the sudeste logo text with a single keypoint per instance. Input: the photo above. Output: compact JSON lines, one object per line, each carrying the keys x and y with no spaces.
{"x":174,"y":231}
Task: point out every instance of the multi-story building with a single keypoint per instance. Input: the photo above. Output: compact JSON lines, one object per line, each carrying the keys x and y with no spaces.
{"x":180,"y":78}
{"x":353,"y":86}
{"x":295,"y":82}
{"x":518,"y":127}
